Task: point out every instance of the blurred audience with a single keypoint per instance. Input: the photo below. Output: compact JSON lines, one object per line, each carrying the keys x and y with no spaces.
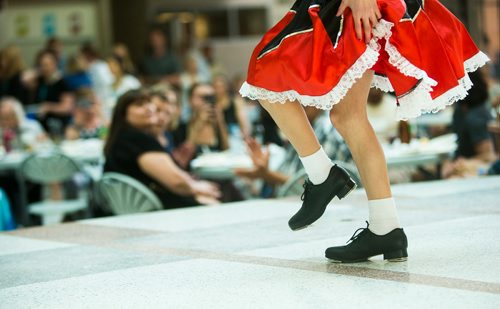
{"x":87,"y":121}
{"x":215,"y":68}
{"x":17,"y":132}
{"x":76,"y":76}
{"x":54,"y":44}
{"x":169,"y":110}
{"x":133,"y":149}
{"x":381,"y":111}
{"x":121,"y":50}
{"x":51,"y":93}
{"x":166,"y":113}
{"x":189,"y":77}
{"x":470,"y":122}
{"x":329,"y":138}
{"x":100,"y":75}
{"x":206,"y":130}
{"x":123,"y":81}
{"x":232,"y":105}
{"x":160,"y":62}
{"x":11,"y":74}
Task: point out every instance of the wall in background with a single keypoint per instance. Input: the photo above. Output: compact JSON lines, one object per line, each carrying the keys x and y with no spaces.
{"x":29,"y":24}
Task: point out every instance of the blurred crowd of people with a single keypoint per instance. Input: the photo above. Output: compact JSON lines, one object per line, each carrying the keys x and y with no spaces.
{"x":158,"y":114}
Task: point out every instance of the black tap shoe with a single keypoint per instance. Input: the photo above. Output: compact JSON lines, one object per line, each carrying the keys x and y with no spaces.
{"x":316,"y":197}
{"x":366,"y":244}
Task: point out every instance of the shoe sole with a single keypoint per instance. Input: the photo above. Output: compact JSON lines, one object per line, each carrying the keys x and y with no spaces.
{"x":398,"y":260}
{"x":348,"y":188}
{"x":393,"y":257}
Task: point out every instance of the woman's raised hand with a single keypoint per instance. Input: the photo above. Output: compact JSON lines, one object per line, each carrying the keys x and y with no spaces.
{"x":365,"y":13}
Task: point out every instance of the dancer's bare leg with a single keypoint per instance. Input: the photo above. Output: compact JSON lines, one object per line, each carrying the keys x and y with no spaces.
{"x":292,"y":120}
{"x":350,"y":118}
{"x":383,"y":235}
{"x":325,"y":181}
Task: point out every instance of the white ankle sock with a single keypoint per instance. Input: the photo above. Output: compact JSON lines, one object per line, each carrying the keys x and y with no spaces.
{"x":317,"y":166}
{"x":383,"y":216}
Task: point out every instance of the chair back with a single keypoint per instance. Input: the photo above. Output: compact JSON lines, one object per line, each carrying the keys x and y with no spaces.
{"x":48,"y":167}
{"x":122,"y":194}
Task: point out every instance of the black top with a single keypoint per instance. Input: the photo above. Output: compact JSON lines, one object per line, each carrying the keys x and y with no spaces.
{"x":180,"y":134}
{"x":50,"y":92}
{"x":471,"y":127}
{"x":14,"y":87}
{"x":54,"y":123}
{"x":124,"y":159}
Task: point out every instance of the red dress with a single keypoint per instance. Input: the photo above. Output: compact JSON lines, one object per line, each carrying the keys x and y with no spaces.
{"x":419,"y":50}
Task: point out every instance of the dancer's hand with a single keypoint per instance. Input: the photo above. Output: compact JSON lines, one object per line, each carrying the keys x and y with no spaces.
{"x":365,"y":14}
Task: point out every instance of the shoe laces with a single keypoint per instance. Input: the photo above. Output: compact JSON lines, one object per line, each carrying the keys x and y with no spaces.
{"x":358,"y":233}
{"x":307,"y":189}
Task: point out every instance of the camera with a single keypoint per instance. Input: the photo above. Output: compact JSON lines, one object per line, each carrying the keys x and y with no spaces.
{"x":210,"y":99}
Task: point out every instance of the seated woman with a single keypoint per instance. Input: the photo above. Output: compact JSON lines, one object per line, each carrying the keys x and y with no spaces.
{"x":53,"y":96}
{"x":133,"y":150}
{"x":167,"y":113}
{"x":475,"y":149}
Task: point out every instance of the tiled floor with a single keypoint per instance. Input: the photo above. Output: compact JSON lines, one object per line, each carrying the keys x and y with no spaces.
{"x":243,"y":255}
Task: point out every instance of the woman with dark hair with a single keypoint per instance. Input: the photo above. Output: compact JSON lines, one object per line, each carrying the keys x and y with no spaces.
{"x":133,"y":150}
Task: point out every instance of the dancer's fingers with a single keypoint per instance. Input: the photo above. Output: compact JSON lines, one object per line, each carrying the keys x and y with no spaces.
{"x":342,"y":8}
{"x":378,"y":14}
{"x":367,"y":29}
{"x":373,"y":22}
{"x":358,"y":28}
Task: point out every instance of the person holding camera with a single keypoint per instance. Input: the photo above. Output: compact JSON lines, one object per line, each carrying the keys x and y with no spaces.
{"x":206,"y":129}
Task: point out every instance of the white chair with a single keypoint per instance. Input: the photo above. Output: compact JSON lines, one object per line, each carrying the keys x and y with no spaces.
{"x":122,"y":194}
{"x":51,"y":168}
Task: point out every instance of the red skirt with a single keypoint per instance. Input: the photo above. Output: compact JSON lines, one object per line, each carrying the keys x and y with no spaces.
{"x":419,"y":51}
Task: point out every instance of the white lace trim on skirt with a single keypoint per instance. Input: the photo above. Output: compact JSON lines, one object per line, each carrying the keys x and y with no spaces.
{"x":326,"y":101}
{"x":411,"y":105}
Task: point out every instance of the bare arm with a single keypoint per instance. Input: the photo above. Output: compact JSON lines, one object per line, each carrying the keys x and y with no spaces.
{"x":485,"y":151}
{"x":162,"y":168}
{"x":65,"y":106}
{"x":260,"y":159}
